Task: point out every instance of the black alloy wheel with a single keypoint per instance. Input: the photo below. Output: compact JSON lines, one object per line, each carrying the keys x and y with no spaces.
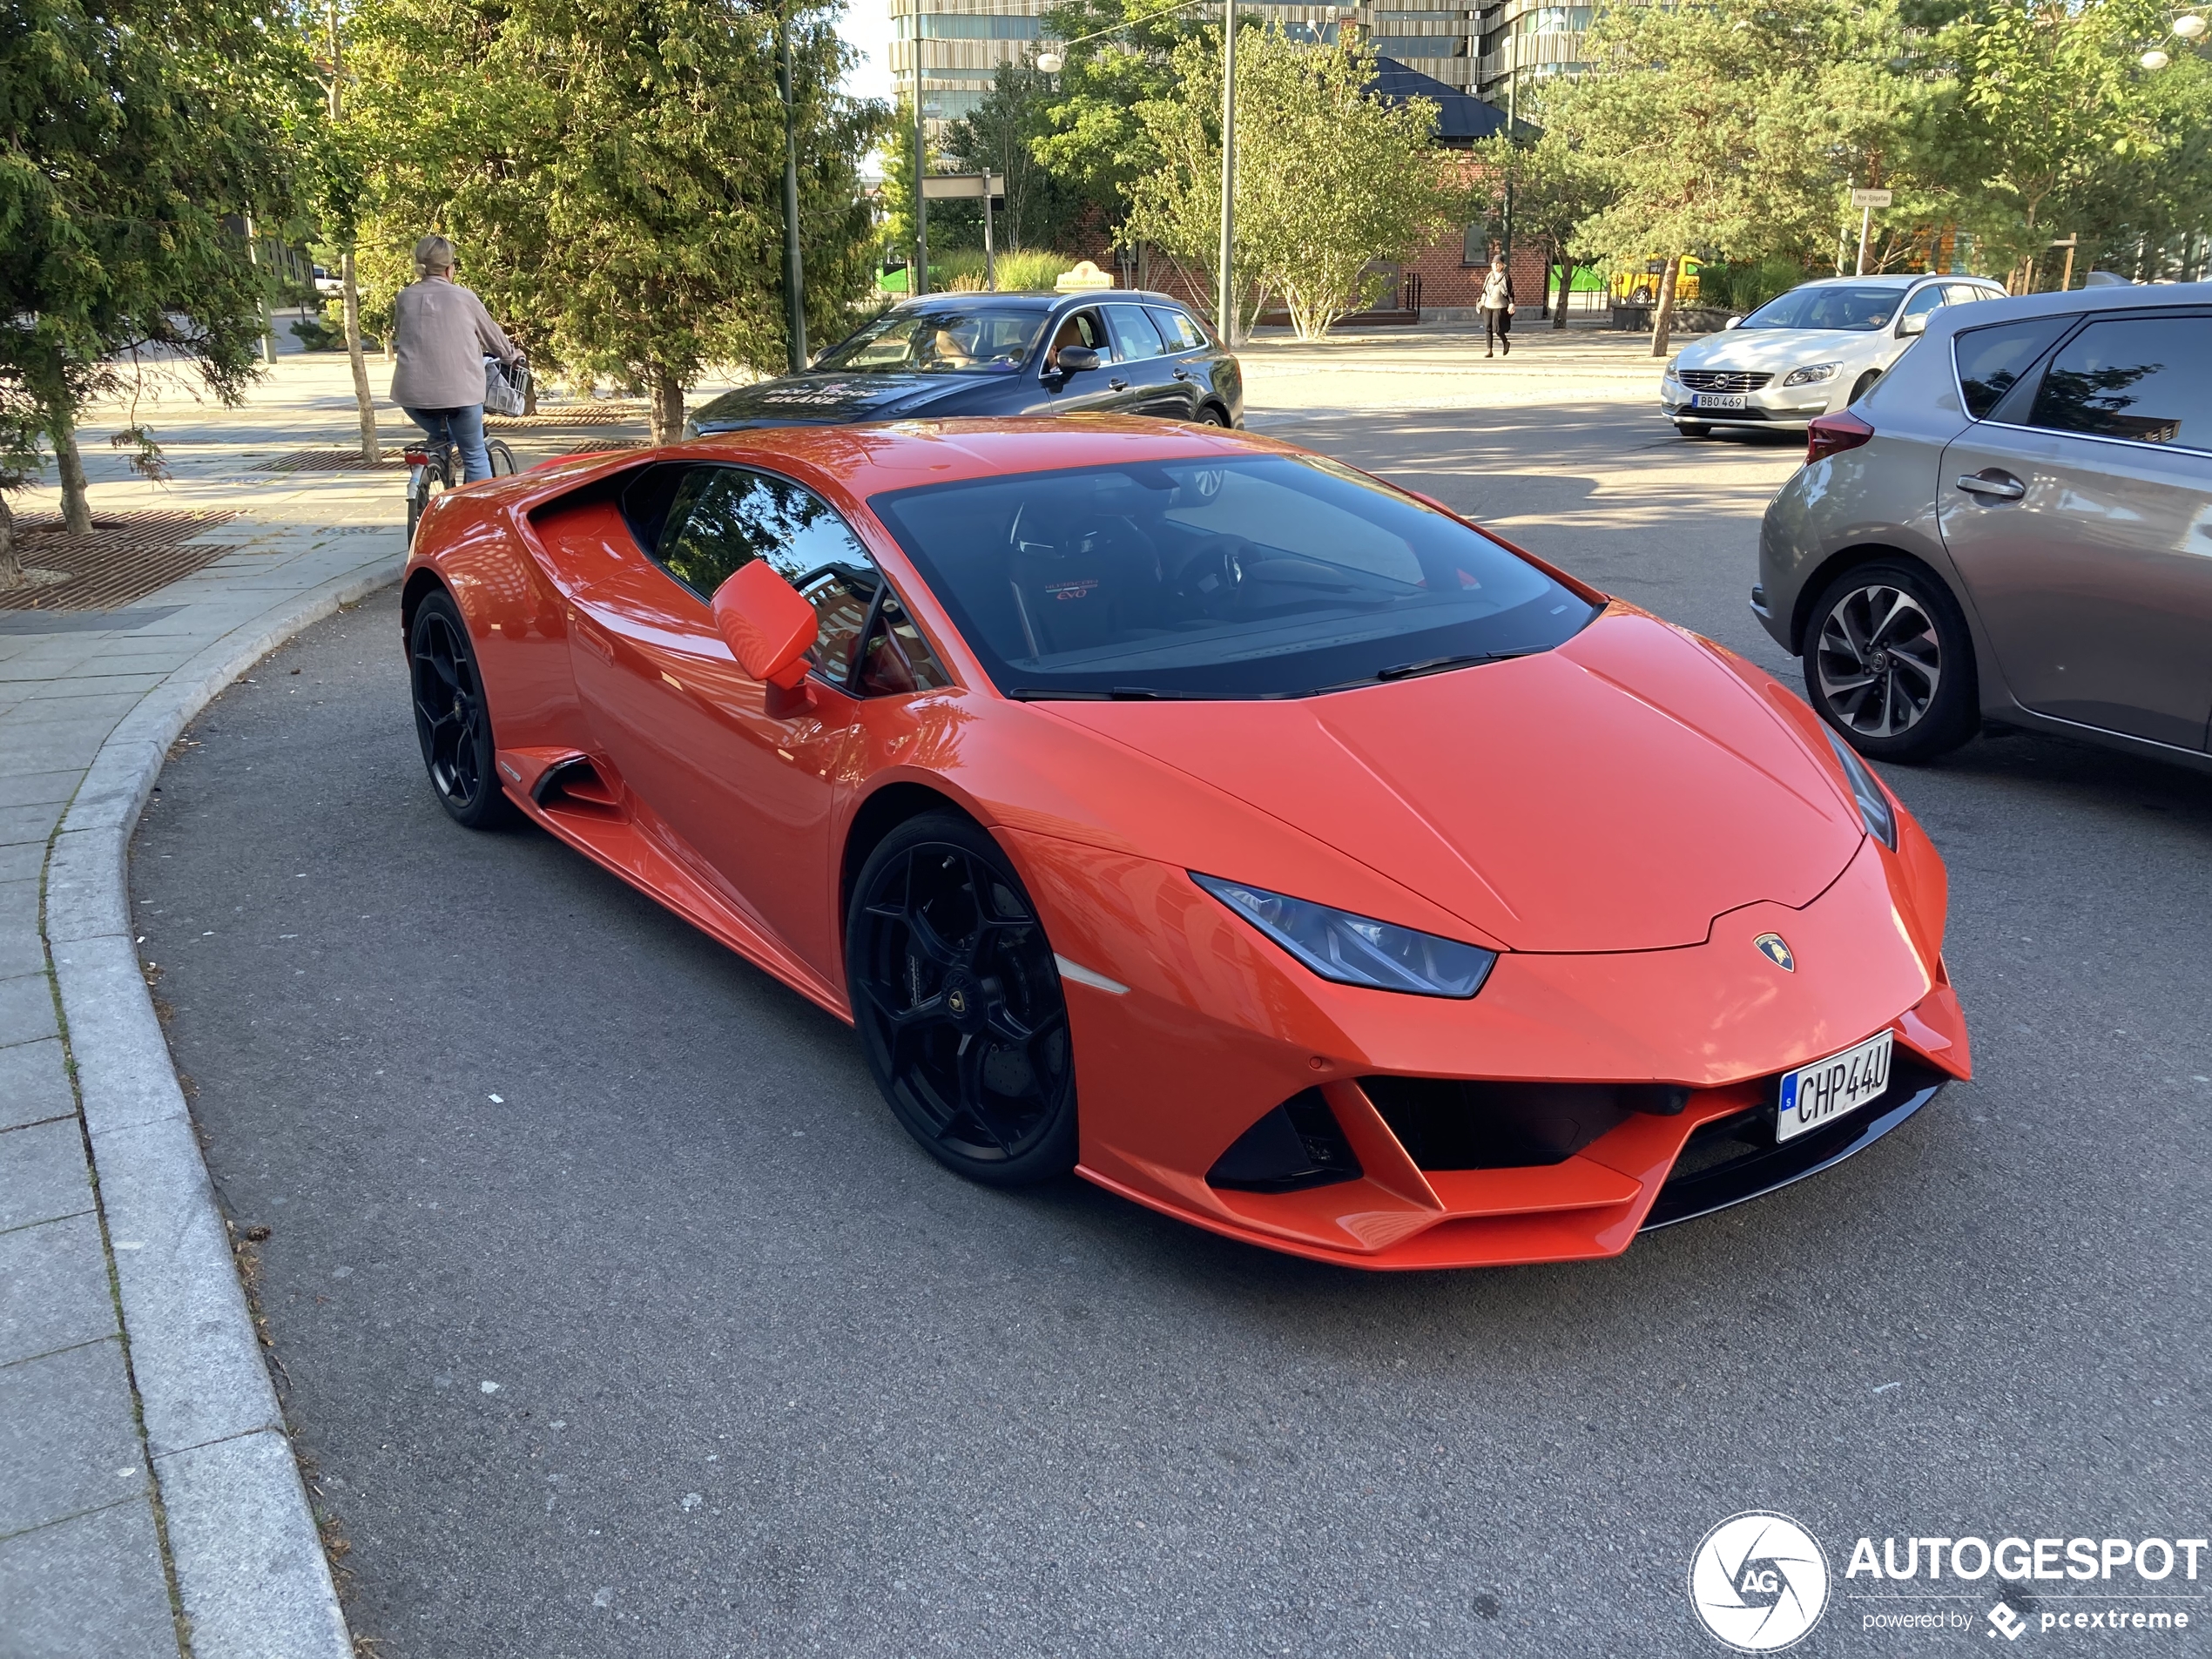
{"x":1888,"y":663}
{"x":1865,"y":385}
{"x":1208,"y":415}
{"x":959,"y":1004}
{"x":451,"y":719}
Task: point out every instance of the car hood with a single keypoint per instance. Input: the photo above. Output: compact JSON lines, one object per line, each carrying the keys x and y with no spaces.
{"x":1780,"y":348}
{"x":829,"y":399}
{"x":1616,"y":793}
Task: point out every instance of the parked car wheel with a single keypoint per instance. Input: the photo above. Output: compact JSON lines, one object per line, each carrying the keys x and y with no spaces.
{"x":1866,"y":384}
{"x":957,"y":997}
{"x":1889,"y":664}
{"x":450,"y":718}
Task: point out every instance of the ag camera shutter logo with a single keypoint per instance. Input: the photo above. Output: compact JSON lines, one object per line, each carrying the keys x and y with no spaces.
{"x":1759,"y":1583}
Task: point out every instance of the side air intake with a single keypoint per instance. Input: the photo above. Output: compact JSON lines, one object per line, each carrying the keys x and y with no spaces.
{"x":1297,"y":1145}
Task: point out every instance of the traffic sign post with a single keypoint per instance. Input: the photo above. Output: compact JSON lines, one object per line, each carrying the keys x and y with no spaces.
{"x":1866,"y":201}
{"x":959,"y":186}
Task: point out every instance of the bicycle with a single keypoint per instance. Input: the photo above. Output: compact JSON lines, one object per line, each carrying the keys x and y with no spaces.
{"x":434,"y":464}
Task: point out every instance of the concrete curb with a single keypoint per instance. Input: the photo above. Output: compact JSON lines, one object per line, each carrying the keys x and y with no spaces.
{"x":250,"y":1565}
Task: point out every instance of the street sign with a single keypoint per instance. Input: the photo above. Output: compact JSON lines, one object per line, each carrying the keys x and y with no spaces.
{"x":954,"y":186}
{"x":1870,"y":198}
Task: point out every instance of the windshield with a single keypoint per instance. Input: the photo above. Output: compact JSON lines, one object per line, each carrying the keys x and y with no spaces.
{"x":1826,"y":306}
{"x":1275,"y":576}
{"x":939,"y":340}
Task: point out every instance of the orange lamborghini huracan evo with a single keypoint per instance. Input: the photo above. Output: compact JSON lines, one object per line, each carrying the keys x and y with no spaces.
{"x":1176,"y":806}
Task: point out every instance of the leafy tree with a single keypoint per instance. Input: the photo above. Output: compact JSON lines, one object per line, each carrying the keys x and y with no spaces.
{"x":129,"y":133}
{"x":1712,"y":122}
{"x":1002,"y":136}
{"x":611,"y":172}
{"x":1329,"y":179}
{"x":1099,"y":145}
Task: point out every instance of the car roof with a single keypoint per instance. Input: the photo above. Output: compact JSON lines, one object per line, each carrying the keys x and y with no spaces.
{"x":1040,"y":298}
{"x":1873,"y":281}
{"x":867,"y":459}
{"x":1950,"y":320}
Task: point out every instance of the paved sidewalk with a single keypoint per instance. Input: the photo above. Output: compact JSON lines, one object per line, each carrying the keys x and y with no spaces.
{"x":148,"y":1497}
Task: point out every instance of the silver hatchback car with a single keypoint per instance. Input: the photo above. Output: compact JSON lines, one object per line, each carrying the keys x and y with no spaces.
{"x":2013,"y":525}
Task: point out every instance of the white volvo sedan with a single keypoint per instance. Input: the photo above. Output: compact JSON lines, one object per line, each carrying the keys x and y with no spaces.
{"x":1814,"y":348}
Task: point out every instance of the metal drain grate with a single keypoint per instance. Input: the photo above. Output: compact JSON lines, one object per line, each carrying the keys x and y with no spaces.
{"x":607,"y":412}
{"x":127,"y":557}
{"x":330,"y":460}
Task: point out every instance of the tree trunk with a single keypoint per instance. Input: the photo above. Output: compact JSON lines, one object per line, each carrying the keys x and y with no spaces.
{"x":1663,"y":321}
{"x":11,"y":562}
{"x":363,"y":399}
{"x":1566,"y":290}
{"x":666,"y":391}
{"x":76,"y":508}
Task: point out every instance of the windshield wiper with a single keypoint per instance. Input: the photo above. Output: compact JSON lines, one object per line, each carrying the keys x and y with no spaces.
{"x":1436,"y":665}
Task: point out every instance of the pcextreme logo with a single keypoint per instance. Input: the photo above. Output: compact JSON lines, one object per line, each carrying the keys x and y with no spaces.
{"x":1759,"y":1583}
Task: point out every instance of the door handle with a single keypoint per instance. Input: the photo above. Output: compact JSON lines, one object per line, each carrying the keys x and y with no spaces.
{"x":1119,"y":385}
{"x":2003,"y":486}
{"x":1183,"y":374}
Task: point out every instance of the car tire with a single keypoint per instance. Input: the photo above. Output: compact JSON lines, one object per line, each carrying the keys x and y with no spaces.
{"x":1208,"y":415}
{"x":1693,"y":428}
{"x":1865,"y":384}
{"x":957,"y":999}
{"x":1889,"y":664}
{"x":452,"y":721}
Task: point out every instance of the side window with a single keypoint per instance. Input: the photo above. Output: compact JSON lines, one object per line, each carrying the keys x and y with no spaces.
{"x":1914,"y":318}
{"x":723,"y":517}
{"x":2149,"y":379}
{"x":898,"y":659}
{"x":1991,"y":360}
{"x":1083,"y":328}
{"x":1135,"y":339}
{"x":1176,"y":328}
{"x":1966,"y":293}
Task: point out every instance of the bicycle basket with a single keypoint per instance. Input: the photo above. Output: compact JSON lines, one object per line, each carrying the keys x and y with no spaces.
{"x":506,"y":389}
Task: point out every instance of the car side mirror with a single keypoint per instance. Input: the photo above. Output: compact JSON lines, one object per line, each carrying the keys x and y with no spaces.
{"x":1073,"y":360}
{"x":1915,"y":324}
{"x":768,"y":627}
{"x":1733,"y":322}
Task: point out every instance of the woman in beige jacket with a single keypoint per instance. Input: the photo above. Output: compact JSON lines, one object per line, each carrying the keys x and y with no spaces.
{"x":440,"y":335}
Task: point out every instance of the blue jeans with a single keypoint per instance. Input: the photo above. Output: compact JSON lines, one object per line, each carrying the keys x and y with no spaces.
{"x":465,"y":428}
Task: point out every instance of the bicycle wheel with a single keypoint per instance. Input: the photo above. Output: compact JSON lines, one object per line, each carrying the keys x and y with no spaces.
{"x":502,"y":458}
{"x":423,"y":483}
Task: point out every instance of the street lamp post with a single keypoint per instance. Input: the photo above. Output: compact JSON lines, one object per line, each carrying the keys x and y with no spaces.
{"x":920,"y":285}
{"x":794,"y":271}
{"x":1225,"y":301}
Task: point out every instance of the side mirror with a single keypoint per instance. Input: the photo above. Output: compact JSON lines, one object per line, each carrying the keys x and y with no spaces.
{"x":1915,"y":324}
{"x":766,"y":624}
{"x":1073,"y":360}
{"x":1733,"y":322}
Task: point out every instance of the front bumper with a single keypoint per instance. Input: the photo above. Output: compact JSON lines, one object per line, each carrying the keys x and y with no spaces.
{"x":1213,"y":1032}
{"x":1772,"y":408}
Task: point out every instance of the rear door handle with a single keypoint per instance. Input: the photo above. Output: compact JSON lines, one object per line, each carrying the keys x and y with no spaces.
{"x":1119,"y":385}
{"x":2003,"y":486}
{"x":1183,"y":374}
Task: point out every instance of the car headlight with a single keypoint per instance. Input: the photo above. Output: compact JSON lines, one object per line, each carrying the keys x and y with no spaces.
{"x":1874,"y":809}
{"x":1357,"y":950}
{"x":1811,"y":375}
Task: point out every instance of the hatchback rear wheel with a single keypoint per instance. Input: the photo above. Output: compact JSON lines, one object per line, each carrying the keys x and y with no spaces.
{"x":1889,"y":663}
{"x":958,"y":1002}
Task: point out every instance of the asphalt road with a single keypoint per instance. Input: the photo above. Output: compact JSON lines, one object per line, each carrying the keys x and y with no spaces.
{"x":618,"y":1316}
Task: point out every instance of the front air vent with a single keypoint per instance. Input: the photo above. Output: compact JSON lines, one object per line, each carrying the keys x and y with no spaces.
{"x":1297,"y":1145}
{"x":1453,"y":1123}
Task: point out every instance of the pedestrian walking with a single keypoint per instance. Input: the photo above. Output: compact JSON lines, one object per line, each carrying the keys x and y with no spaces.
{"x":1497,"y":308}
{"x":440,"y":335}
